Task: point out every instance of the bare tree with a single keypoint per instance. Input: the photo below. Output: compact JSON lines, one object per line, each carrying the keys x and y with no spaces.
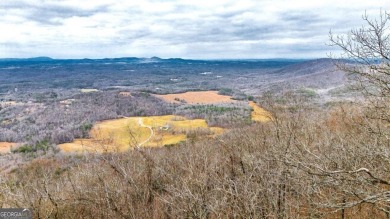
{"x":366,"y":56}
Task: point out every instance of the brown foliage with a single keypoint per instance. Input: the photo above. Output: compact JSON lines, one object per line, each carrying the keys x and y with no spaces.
{"x":309,"y":164}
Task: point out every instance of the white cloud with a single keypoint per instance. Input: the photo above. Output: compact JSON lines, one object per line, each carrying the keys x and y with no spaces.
{"x":173,"y":28}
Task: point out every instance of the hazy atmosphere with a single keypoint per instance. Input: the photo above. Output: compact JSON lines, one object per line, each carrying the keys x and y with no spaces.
{"x":187,"y":29}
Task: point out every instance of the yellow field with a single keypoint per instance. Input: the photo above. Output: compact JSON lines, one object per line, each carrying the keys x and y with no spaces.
{"x":126,"y":133}
{"x":5,"y":147}
{"x":259,"y":114}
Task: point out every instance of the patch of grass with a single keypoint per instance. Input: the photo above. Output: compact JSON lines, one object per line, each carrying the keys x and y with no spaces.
{"x":43,"y":145}
{"x":307,"y":92}
{"x":85,"y":128}
{"x":211,"y":108}
{"x":24,"y":149}
{"x":226,"y":91}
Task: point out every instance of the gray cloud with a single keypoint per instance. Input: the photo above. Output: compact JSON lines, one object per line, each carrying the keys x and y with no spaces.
{"x":198,"y":29}
{"x":50,"y":13}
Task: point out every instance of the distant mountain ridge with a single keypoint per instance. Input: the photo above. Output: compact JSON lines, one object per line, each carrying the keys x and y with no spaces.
{"x":143,"y":59}
{"x":40,"y":58}
{"x":168,"y":75}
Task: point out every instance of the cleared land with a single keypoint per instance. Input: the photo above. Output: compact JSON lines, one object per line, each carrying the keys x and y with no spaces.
{"x":125,"y":94}
{"x":126,"y":133}
{"x":87,"y":90}
{"x":198,"y":97}
{"x":259,"y":114}
{"x":9,"y":103}
{"x":5,"y":147}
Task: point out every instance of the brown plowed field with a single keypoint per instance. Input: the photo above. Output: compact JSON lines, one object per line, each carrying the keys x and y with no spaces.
{"x":196,"y":97}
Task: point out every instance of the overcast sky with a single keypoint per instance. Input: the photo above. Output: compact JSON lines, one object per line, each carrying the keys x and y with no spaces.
{"x":200,"y":29}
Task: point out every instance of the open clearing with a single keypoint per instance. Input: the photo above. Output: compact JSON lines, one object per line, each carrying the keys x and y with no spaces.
{"x":88,"y":90}
{"x":5,"y":147}
{"x":125,"y":94}
{"x":9,"y":103}
{"x":154,"y":131}
{"x":197,"y":97}
{"x":259,"y":114}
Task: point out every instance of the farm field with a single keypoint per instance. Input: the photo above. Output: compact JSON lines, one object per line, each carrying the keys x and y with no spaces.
{"x":5,"y":147}
{"x":259,"y":114}
{"x":197,"y":97}
{"x":154,"y":131}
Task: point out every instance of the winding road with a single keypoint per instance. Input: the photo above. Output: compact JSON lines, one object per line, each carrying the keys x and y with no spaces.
{"x":141,"y":123}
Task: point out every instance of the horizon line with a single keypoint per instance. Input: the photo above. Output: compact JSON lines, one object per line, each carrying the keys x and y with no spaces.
{"x":48,"y":58}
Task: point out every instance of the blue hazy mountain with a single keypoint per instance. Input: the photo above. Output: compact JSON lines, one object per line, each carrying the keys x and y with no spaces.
{"x":163,"y":75}
{"x":124,"y":60}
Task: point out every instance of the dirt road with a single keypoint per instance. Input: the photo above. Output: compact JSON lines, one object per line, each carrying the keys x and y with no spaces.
{"x":141,"y":123}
